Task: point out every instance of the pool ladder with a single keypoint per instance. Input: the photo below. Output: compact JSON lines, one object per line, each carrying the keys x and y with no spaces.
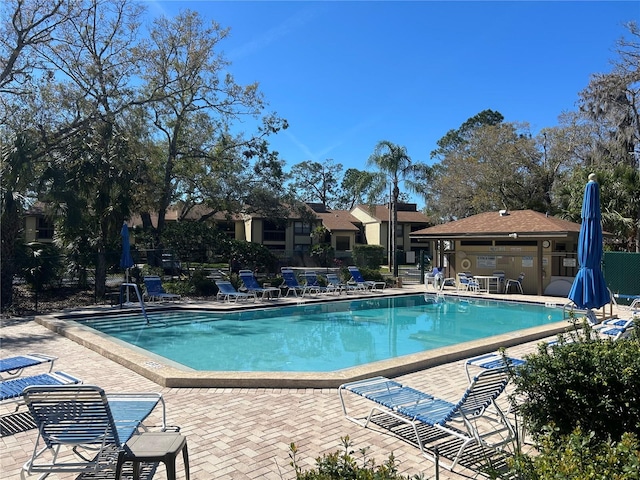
{"x":125,"y":286}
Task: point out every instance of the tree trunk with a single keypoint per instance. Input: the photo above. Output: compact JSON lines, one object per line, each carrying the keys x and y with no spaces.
{"x":394,"y":236}
{"x":10,"y":229}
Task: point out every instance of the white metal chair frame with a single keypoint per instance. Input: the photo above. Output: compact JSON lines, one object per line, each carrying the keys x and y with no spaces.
{"x":412,"y":407}
{"x":517,"y":283}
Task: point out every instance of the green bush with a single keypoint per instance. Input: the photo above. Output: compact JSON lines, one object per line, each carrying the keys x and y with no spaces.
{"x":342,"y":465}
{"x":324,"y":254}
{"x":589,"y":383}
{"x":581,"y":457}
{"x":201,"y":284}
{"x":371,"y":274}
{"x":40,"y":264}
{"x":253,"y":256}
{"x":368,"y":256}
{"x":179,"y":287}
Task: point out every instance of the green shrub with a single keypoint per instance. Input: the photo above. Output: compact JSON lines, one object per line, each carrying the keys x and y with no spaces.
{"x":368,"y":256}
{"x":179,"y":287}
{"x":253,"y":256}
{"x":581,"y":457}
{"x":371,"y":274}
{"x":589,"y":383}
{"x":342,"y":465}
{"x":40,"y":264}
{"x":201,"y":284}
{"x":324,"y":254}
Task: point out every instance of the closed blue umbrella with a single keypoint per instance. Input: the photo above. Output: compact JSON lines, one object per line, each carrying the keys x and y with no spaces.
{"x":589,"y":289}
{"x":126,"y":261}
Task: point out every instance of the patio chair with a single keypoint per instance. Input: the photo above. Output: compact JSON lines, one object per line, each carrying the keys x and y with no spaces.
{"x":154,"y":291}
{"x":517,"y":283}
{"x":362,"y":283}
{"x":491,"y":360}
{"x":500,"y":283}
{"x":294,"y":286}
{"x":12,"y":367}
{"x":615,"y":328}
{"x":87,"y":420}
{"x":335,"y":285}
{"x":467,"y":283}
{"x":417,"y":409}
{"x":11,"y":391}
{"x":311,"y":280}
{"x":250,"y":282}
{"x":226,"y":291}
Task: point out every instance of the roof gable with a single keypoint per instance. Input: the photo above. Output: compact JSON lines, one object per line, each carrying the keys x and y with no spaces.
{"x":336,"y":220}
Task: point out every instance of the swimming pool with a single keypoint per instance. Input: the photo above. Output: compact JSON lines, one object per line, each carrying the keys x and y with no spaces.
{"x":320,"y":337}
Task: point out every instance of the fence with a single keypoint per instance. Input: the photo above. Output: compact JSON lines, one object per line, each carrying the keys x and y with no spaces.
{"x":622,"y":272}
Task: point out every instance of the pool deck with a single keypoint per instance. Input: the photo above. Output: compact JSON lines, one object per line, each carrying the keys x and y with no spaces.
{"x":237,"y":432}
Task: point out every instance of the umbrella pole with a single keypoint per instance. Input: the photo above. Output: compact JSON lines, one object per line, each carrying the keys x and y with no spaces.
{"x":126,"y":280}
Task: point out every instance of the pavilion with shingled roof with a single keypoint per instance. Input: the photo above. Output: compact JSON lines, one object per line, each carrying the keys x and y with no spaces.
{"x":541,"y":246}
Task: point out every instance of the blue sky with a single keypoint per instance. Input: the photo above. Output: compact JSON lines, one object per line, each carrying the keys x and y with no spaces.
{"x":349,"y":74}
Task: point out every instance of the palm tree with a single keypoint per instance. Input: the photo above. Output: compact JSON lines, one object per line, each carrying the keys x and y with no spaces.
{"x":395,"y":166}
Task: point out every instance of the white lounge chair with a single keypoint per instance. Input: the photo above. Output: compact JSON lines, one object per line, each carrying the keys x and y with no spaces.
{"x":412,"y":407}
{"x":226,"y":292}
{"x":294,"y":286}
{"x":11,"y":390}
{"x":12,"y":367}
{"x":86,"y":420}
{"x":154,"y":291}
{"x":335,"y":285}
{"x":361,"y":282}
{"x":250,"y":282}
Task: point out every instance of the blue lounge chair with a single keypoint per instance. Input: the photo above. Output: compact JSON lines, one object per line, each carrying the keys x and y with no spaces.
{"x":11,"y":390}
{"x":414,"y":408}
{"x":334,"y":284}
{"x":86,"y":419}
{"x":492,"y":360}
{"x":615,"y":328}
{"x":154,"y":291}
{"x":226,"y":291}
{"x":362,"y":283}
{"x":311,"y":281}
{"x":14,"y":366}
{"x":251,"y":284}
{"x":293,"y":285}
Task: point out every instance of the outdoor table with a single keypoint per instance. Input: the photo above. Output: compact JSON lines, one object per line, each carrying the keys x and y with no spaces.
{"x":487,"y":281}
{"x":154,"y":447}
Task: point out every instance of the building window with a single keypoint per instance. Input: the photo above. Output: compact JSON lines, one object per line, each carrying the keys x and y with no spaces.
{"x":342,"y":244}
{"x":301,"y":228}
{"x":45,"y":229}
{"x":301,"y":249}
{"x":272,"y":232}
{"x":399,"y":230}
{"x":228,"y":228}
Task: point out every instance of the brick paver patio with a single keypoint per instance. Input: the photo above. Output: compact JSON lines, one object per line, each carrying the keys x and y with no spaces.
{"x":233,"y":433}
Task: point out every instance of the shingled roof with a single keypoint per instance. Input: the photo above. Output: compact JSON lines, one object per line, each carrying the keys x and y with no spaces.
{"x":338,"y":220}
{"x":523,"y":222}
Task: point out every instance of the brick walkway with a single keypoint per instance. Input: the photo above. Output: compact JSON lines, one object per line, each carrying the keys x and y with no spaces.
{"x":233,"y":433}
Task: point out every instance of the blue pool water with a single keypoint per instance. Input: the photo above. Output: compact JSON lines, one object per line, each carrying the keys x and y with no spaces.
{"x":320,"y":337}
